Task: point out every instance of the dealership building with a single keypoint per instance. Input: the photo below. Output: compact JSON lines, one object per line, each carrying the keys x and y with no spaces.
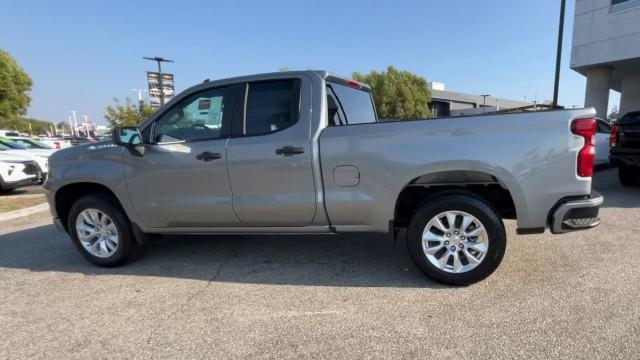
{"x":449,"y":103}
{"x":606,"y":49}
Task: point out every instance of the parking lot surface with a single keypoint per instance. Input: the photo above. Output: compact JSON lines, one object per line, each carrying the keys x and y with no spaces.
{"x":574,"y":296}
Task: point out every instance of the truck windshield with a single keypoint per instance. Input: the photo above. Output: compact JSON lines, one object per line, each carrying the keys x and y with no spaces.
{"x":348,"y":106}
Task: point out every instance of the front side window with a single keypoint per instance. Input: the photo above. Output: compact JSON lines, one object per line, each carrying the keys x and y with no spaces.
{"x":271,"y":106}
{"x":348,"y":106}
{"x":198,"y":117}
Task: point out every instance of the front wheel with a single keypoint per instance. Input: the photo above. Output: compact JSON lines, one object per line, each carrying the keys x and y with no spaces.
{"x":101,"y":232}
{"x":456,"y":239}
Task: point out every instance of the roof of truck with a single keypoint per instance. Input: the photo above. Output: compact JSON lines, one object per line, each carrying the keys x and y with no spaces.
{"x":324,"y":74}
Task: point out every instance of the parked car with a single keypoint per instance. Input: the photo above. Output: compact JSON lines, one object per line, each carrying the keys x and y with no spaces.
{"x":9,"y":133}
{"x":76,"y":140}
{"x":55,"y":142}
{"x":16,"y":171}
{"x":31,"y":143}
{"x":603,"y":133}
{"x":305,"y":154}
{"x":625,"y":148}
{"x":37,"y":155}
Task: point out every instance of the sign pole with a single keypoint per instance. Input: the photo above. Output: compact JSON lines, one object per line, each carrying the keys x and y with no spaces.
{"x":159,"y":60}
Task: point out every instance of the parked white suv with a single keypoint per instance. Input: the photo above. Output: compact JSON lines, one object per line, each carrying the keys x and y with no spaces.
{"x":41,"y":159}
{"x":16,"y":171}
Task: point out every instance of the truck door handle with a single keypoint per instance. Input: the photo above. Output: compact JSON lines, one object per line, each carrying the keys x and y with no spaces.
{"x":208,"y":156}
{"x":290,"y":150}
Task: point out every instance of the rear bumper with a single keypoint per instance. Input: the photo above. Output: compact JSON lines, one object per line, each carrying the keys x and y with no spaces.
{"x":576,"y":213}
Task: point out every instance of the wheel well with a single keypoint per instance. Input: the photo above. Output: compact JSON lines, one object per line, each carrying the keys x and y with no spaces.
{"x":67,"y":195}
{"x":427,"y":186}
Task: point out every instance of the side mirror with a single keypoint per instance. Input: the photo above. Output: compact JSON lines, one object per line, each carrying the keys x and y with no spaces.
{"x":130,"y":138}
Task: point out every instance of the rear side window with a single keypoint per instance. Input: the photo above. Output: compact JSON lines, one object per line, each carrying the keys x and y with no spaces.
{"x":349,"y":106}
{"x":271,"y":106}
{"x":603,"y":127}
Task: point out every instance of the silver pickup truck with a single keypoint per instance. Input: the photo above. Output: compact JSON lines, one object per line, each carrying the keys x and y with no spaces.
{"x":304,"y":153}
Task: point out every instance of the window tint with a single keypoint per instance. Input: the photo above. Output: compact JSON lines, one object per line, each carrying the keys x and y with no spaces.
{"x":356,"y":105}
{"x":197,"y":117}
{"x":271,"y":106}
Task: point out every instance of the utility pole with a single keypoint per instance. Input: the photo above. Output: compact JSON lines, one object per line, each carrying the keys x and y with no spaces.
{"x":484,"y":102}
{"x":159,"y":60}
{"x":556,"y":84}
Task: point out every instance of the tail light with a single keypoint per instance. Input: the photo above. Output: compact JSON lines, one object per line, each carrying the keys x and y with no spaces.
{"x":614,"y":137}
{"x":353,"y":84}
{"x":57,"y":144}
{"x":587,"y":129}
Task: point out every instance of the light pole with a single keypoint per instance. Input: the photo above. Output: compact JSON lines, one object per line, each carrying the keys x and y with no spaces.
{"x":484,"y":101}
{"x":556,"y":83}
{"x":140,"y":101}
{"x":75,"y":123}
{"x":159,"y":60}
{"x":70,"y":125}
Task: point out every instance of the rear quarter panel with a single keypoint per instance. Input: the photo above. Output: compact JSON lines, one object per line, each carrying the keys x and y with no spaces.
{"x":533,"y":155}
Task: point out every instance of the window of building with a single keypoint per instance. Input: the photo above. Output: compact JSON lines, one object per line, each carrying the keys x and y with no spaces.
{"x":621,"y":5}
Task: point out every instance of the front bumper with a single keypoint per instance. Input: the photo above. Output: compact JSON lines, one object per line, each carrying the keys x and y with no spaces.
{"x":576,"y":213}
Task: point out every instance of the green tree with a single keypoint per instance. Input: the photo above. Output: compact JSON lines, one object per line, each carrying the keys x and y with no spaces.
{"x":398,"y":94}
{"x":25,"y":125}
{"x":127,"y":114}
{"x":15,"y":85}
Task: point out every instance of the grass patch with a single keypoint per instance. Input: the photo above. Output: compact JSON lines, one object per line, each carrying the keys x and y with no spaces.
{"x":10,"y":203}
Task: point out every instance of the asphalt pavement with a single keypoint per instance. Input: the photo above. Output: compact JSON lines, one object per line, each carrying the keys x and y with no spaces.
{"x":572,"y":296}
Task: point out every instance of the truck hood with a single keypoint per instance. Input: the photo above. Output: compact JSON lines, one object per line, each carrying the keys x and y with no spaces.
{"x":83,"y":151}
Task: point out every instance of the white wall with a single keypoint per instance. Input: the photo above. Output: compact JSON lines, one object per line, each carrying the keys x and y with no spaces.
{"x":603,"y":33}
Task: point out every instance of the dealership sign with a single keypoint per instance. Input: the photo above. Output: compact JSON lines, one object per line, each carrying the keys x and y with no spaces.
{"x":161,"y":88}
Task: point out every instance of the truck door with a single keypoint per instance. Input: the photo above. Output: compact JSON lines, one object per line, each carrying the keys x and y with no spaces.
{"x":181,"y":180}
{"x":269,"y":157}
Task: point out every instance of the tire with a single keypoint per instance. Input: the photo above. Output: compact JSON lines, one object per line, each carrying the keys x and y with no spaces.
{"x":127,"y":249}
{"x":6,"y":190}
{"x":463,"y":207}
{"x":629,"y":176}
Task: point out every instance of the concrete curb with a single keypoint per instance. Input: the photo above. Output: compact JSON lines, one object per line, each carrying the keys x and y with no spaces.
{"x":10,"y":215}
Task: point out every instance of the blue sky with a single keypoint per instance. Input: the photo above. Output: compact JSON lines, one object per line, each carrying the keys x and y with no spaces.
{"x":81,"y":54}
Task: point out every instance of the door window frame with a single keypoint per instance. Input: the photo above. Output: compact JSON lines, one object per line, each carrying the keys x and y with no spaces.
{"x":225,"y":124}
{"x":239,"y":122}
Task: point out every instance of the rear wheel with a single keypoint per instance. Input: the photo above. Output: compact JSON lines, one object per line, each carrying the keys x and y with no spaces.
{"x":101,"y":232}
{"x":629,"y":176}
{"x":456,"y":239}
